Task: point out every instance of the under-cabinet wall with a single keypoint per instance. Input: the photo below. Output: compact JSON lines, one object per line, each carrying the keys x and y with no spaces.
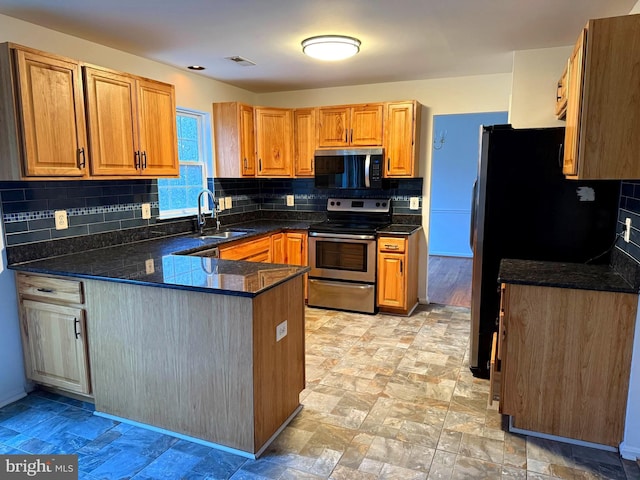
{"x":115,"y":205}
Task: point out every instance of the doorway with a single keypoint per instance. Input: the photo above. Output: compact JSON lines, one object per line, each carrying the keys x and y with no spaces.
{"x":454,"y":164}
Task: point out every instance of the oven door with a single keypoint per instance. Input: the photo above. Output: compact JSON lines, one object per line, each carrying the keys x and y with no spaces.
{"x":342,"y":257}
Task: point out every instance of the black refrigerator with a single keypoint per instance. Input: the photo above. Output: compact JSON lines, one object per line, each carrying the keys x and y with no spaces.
{"x":523,"y":207}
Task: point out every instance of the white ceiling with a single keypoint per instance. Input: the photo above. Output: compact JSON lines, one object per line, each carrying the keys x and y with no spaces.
{"x":401,"y":39}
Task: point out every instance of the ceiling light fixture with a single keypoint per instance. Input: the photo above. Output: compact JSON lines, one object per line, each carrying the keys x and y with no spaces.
{"x":195,"y":67}
{"x":331,"y":47}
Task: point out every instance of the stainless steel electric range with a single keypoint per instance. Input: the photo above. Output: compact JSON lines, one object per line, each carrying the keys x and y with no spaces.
{"x":342,"y":254}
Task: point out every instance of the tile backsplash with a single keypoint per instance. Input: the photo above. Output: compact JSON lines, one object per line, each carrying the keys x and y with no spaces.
{"x":113,"y":205}
{"x":629,"y":208}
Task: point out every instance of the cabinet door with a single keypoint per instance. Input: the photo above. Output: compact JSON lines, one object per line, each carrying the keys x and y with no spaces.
{"x":296,"y":249}
{"x":277,"y":248}
{"x":55,"y":345}
{"x":366,"y":126}
{"x":574,"y":102}
{"x":304,"y":122}
{"x":157,"y":129}
{"x":333,"y":126}
{"x":274,"y":142}
{"x":391,"y":280}
{"x":111,"y":118}
{"x":400,"y":139}
{"x":52,"y":106}
{"x":247,"y":141}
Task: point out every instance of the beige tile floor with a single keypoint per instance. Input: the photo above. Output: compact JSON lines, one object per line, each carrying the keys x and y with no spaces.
{"x":392,"y":398}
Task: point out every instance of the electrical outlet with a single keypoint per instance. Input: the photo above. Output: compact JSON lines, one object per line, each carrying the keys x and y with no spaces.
{"x":146,"y":211}
{"x":290,"y":201}
{"x":227,"y":202}
{"x":414,"y":203}
{"x":627,"y":230}
{"x":61,"y":219}
{"x":281,"y":331}
{"x":220,"y":204}
{"x":149,"y":267}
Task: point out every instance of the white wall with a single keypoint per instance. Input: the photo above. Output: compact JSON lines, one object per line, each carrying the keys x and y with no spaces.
{"x":12,"y":379}
{"x":483,"y":93}
{"x":533,"y":91}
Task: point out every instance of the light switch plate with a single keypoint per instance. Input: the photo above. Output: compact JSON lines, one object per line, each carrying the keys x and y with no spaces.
{"x":149,"y":266}
{"x":281,"y":331}
{"x":60,"y":217}
{"x":227,"y":202}
{"x":290,"y":201}
{"x":220,"y":204}
{"x":146,"y":211}
{"x":414,"y":203}
{"x":627,"y":230}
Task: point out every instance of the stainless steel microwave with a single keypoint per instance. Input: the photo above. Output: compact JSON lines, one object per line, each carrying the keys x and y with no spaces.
{"x":353,"y":168}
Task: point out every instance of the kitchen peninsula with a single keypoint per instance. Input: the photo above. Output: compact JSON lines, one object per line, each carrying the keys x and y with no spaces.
{"x":206,"y":348}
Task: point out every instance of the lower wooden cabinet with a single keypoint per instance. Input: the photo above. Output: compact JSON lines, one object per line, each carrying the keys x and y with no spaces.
{"x":398,"y":274}
{"x":53,"y":326}
{"x":565,"y":361}
{"x":256,"y":250}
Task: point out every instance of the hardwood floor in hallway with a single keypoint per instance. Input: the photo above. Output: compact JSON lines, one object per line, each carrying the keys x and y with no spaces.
{"x":450,"y":281}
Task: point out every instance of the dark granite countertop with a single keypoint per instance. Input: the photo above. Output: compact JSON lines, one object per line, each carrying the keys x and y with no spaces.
{"x":563,"y":275}
{"x":164,"y":262}
{"x":400,"y":229}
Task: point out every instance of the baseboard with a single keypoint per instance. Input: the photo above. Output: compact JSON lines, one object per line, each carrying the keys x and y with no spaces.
{"x":12,"y":397}
{"x":629,"y":452}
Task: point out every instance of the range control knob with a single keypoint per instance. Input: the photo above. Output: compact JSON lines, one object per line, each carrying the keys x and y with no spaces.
{"x":384,"y":204}
{"x":332,"y":203}
{"x":338,"y":203}
{"x":377,"y":204}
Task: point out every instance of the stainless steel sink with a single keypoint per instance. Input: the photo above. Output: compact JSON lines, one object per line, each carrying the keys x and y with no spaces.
{"x":224,"y":235}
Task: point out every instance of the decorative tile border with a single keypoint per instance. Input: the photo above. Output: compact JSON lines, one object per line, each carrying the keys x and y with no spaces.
{"x":41,"y":214}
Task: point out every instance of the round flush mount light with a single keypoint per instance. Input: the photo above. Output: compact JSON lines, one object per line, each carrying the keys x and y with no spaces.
{"x":195,"y":67}
{"x":331,"y":47}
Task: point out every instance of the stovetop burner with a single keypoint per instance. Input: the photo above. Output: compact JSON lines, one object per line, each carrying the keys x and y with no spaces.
{"x":355,"y":215}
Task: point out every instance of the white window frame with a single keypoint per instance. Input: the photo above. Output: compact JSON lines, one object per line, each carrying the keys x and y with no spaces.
{"x":204,"y":153}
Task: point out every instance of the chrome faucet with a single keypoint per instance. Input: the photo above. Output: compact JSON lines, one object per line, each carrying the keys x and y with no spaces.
{"x":214,"y":210}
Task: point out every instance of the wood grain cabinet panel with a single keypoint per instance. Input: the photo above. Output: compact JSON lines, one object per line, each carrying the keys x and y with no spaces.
{"x":350,"y":125}
{"x":566,"y":354}
{"x":603,"y":115}
{"x":234,"y":137}
{"x":132,"y":125}
{"x":54,"y":335}
{"x":42,"y":126}
{"x":402,"y":120}
{"x":59,"y":123}
{"x":274,"y":142}
{"x":397,"y":274}
{"x":304,"y":123}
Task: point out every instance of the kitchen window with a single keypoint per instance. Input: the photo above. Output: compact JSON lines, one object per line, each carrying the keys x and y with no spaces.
{"x":178,"y":197}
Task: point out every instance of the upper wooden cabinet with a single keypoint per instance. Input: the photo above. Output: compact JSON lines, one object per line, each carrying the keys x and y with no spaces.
{"x":42,"y":126}
{"x":234,"y":138}
{"x":44,"y":104}
{"x":350,"y":125}
{"x":274,"y":142}
{"x":603,"y":119}
{"x":304,"y":134}
{"x":131,"y":121}
{"x":402,"y":120}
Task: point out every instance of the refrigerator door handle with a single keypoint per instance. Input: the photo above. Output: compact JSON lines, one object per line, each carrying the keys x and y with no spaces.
{"x":472,"y":227}
{"x":561,"y":155}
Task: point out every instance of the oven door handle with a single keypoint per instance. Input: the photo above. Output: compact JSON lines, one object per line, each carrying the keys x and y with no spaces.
{"x":347,"y":236}
{"x":367,"y":165}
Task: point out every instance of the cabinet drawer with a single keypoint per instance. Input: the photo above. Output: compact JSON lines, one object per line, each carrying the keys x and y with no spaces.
{"x":494,"y":374}
{"x":252,"y":250}
{"x":68,"y":291}
{"x":391,"y":244}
